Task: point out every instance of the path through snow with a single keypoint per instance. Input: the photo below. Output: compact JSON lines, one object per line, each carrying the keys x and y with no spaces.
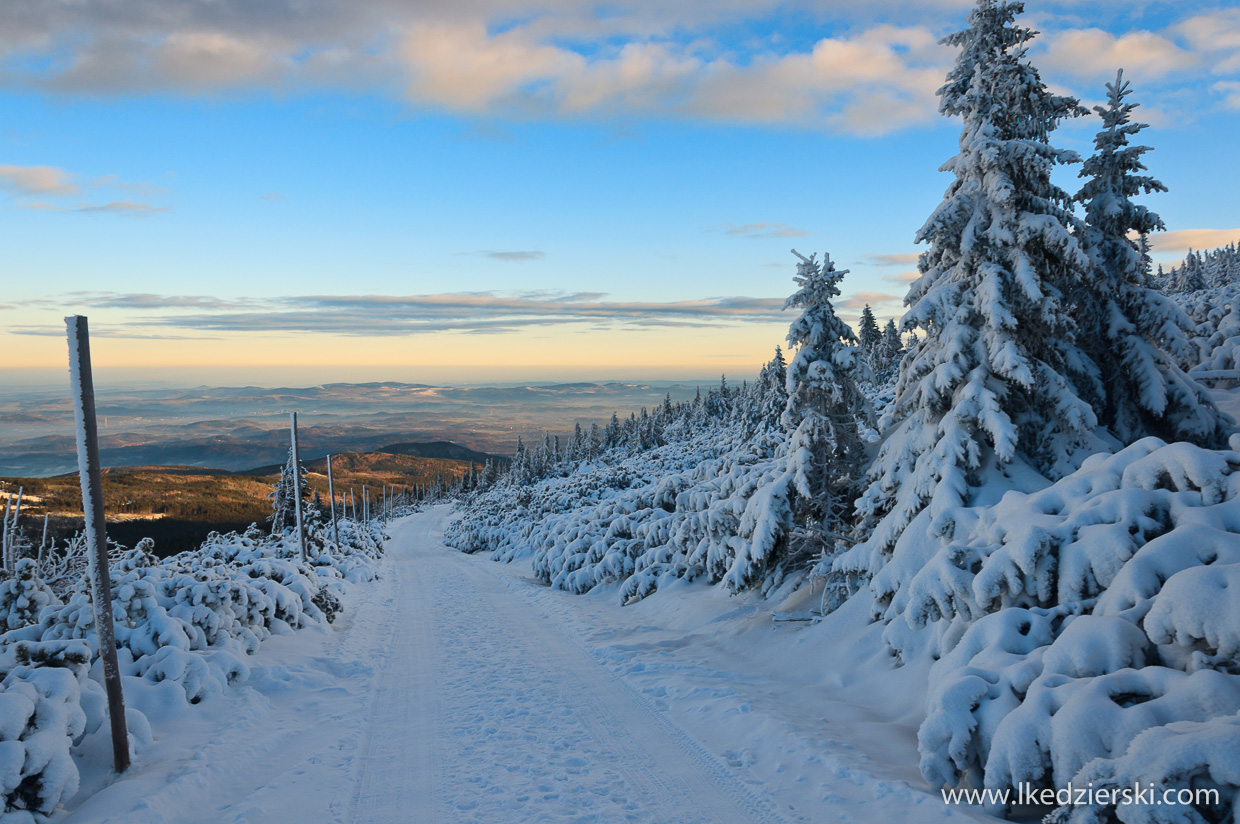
{"x":457,"y":691}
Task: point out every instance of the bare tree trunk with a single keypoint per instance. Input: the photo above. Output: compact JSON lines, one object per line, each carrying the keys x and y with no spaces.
{"x":301,"y":527}
{"x":365,"y":505}
{"x":331,"y":498}
{"x":96,"y":536}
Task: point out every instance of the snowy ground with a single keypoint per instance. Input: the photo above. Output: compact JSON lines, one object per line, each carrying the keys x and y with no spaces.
{"x":458,"y":690}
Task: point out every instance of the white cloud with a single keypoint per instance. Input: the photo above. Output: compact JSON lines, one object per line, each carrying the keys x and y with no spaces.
{"x":875,"y":300}
{"x":1094,"y":53}
{"x":571,"y":58}
{"x":38,"y":180}
{"x":1217,"y":36}
{"x":1184,"y":239}
{"x":874,"y":82}
{"x":398,"y":315}
{"x":1230,"y":89}
{"x":763,"y":230}
{"x":54,"y":186}
{"x":902,"y":259}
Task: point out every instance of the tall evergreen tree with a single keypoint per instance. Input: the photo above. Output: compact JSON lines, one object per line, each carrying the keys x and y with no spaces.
{"x":825,"y":405}
{"x":891,"y":339}
{"x":772,"y":389}
{"x":868,"y":333}
{"x":1125,"y":323}
{"x":995,"y":378}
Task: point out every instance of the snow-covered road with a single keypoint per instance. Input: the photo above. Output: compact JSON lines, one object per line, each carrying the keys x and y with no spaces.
{"x":455,"y":690}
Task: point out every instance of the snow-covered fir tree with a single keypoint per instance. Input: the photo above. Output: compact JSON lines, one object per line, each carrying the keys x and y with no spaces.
{"x":891,"y":339}
{"x":283,"y":515}
{"x":1203,"y":270}
{"x":825,"y":453}
{"x":772,"y":391}
{"x":995,"y":378}
{"x":868,"y":333}
{"x":1125,"y":324}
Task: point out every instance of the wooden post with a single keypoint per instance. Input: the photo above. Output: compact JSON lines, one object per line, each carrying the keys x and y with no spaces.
{"x":301,"y":527}
{"x":4,"y":534}
{"x":43,"y":543}
{"x":96,"y":536}
{"x":331,"y":500}
{"x":11,"y":561}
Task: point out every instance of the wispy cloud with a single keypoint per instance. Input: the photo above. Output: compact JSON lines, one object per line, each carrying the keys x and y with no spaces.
{"x":105,"y":331}
{"x":273,"y":197}
{"x":763,"y":230}
{"x":518,"y":256}
{"x":121,"y":207}
{"x":903,"y":277}
{"x":37,"y":180}
{"x":872,"y":299}
{"x":903,"y":259}
{"x":1184,"y":239}
{"x":1096,"y":54}
{"x":54,"y":184}
{"x":366,"y":315}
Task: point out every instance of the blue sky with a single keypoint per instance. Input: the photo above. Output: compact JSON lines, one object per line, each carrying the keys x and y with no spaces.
{"x":483,"y":190}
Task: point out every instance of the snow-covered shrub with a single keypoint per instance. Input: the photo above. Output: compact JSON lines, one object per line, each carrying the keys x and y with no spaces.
{"x":1216,"y":315}
{"x":23,"y":595}
{"x":1172,"y":757}
{"x":190,"y":619}
{"x":713,"y":502}
{"x":1069,"y":621}
{"x":40,"y":715}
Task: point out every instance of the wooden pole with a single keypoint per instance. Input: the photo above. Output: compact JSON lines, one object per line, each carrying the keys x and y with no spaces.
{"x":43,"y":542}
{"x":4,"y":534}
{"x":301,"y":527}
{"x":17,"y":513}
{"x":331,"y":498}
{"x":96,"y":536}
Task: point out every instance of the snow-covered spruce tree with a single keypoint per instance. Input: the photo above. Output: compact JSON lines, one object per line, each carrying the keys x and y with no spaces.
{"x":283,"y":515}
{"x":826,"y":455}
{"x":1125,"y":324}
{"x":891,"y":339}
{"x":868,"y":334}
{"x":771,"y":390}
{"x":996,"y":378}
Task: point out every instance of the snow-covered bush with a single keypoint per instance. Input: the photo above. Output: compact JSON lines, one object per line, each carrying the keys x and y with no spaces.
{"x":40,"y":715}
{"x":23,"y":595}
{"x":1069,"y":621}
{"x":190,"y":619}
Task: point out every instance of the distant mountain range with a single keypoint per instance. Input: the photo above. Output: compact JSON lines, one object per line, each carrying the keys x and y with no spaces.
{"x":240,"y":428}
{"x":442,"y":450}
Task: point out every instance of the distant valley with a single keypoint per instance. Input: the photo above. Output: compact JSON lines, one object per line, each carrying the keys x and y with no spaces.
{"x":245,"y":428}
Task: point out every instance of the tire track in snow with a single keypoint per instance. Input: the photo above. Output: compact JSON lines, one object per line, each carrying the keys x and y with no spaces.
{"x":396,"y":752}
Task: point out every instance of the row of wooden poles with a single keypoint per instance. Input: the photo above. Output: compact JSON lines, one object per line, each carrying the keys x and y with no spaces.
{"x":389,"y":498}
{"x":8,"y":541}
{"x":91,"y":476}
